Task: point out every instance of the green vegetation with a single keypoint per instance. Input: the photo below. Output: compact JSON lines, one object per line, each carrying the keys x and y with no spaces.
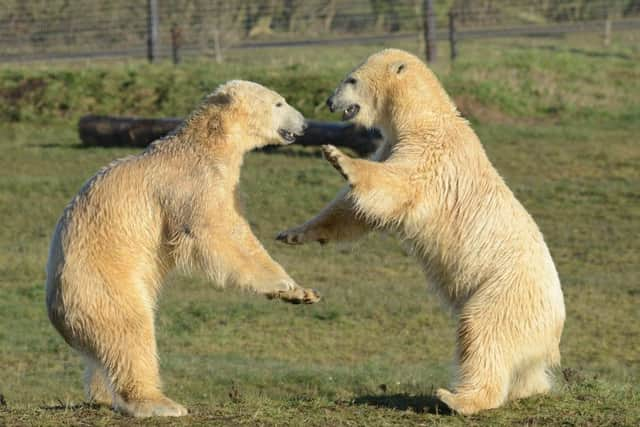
{"x":524,"y":79}
{"x":559,"y":119}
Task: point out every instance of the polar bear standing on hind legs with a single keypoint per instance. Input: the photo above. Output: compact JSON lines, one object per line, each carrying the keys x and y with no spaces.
{"x":433,"y":184}
{"x":174,"y":205}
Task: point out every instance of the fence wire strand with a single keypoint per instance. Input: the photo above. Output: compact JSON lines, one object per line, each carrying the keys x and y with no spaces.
{"x":31,"y":29}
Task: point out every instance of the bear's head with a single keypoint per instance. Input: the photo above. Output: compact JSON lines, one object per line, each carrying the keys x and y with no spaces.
{"x":385,"y":85}
{"x":254,"y":115}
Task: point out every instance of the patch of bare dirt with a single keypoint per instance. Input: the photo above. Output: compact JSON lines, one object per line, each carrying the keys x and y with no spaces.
{"x":471,"y":109}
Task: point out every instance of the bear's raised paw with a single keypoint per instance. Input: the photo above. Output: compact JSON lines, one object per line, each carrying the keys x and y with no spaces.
{"x":338,"y":160}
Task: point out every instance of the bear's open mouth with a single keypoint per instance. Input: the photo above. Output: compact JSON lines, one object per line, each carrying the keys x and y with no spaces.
{"x":350,"y":112}
{"x":287,"y":135}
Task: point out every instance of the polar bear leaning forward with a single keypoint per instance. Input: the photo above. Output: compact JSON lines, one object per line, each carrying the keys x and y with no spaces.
{"x":173,"y":206}
{"x":433,"y":184}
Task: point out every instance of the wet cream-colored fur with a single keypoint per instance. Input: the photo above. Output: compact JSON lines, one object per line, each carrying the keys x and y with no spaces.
{"x":173,"y":206}
{"x":433,"y":184}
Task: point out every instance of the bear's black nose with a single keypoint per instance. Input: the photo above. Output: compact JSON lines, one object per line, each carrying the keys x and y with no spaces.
{"x":330,"y":104}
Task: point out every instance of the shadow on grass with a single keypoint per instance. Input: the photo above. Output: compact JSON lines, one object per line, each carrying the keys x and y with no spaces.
{"x":403,"y":402}
{"x":61,"y":406}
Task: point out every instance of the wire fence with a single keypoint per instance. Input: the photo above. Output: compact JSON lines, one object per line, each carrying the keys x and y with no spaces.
{"x":58,"y":29}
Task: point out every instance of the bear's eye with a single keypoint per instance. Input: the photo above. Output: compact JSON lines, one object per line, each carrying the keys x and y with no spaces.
{"x":279,"y":104}
{"x":350,"y":81}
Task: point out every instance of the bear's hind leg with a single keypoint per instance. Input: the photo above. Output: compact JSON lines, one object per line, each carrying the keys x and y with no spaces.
{"x":534,"y":380}
{"x":483,"y":374}
{"x":470,"y":398}
{"x":131,"y":364}
{"x":96,"y":384}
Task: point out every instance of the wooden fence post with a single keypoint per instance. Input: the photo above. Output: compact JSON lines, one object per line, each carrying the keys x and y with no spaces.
{"x":152,"y":30}
{"x":607,"y":31}
{"x":452,"y":36}
{"x":176,"y":36}
{"x":429,"y":24}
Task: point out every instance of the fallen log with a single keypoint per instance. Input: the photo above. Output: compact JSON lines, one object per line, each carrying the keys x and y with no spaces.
{"x":113,"y":131}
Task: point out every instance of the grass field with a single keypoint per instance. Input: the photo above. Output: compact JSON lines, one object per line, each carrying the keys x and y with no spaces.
{"x":559,"y":118}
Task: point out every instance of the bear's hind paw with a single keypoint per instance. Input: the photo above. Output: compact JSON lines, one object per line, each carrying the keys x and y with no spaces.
{"x":160,"y":407}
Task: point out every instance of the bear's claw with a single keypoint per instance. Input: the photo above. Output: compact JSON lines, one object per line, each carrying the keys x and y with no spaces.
{"x":290,"y":237}
{"x":297,"y":296}
{"x":336,"y":158}
{"x":296,"y":237}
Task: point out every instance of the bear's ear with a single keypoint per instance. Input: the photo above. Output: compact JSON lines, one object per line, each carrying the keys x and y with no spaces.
{"x":398,"y":67}
{"x":219,"y":99}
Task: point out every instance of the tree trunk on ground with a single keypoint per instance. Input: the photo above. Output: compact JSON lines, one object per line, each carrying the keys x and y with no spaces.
{"x":111,"y":131}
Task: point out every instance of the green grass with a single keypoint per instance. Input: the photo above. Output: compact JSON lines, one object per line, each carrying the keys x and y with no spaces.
{"x":373,"y":351}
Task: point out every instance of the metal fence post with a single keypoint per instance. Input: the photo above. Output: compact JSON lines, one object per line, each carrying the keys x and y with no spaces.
{"x":452,"y":35}
{"x":429,"y":18}
{"x":152,"y":30}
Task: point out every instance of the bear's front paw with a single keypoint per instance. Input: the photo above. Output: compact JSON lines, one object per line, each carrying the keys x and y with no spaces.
{"x":298,"y":236}
{"x":338,"y":160}
{"x":298,"y":296}
{"x":291,"y":237}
